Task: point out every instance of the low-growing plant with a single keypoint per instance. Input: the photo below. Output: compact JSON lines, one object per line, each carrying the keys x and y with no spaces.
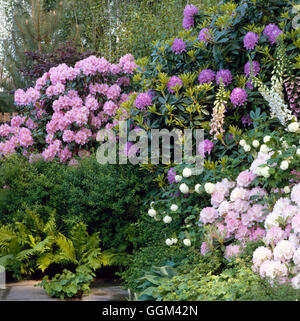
{"x":141,"y":262}
{"x":67,"y":285}
{"x":235,"y":283}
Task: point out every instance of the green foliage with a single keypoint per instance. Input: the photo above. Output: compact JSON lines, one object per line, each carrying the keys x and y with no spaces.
{"x":33,"y":244}
{"x":148,"y":271}
{"x":113,"y":27}
{"x":152,"y":279}
{"x":106,"y":198}
{"x":67,"y":285}
{"x":238,"y":283}
{"x":209,"y":278}
{"x":143,"y":259}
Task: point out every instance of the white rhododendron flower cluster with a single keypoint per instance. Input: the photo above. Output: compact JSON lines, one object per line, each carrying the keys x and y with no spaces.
{"x":239,"y":213}
{"x":280,"y":259}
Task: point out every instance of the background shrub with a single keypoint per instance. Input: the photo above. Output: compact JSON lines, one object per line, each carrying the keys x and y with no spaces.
{"x":106,"y":198}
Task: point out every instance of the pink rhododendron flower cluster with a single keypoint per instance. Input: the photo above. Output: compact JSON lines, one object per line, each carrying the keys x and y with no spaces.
{"x":245,"y":178}
{"x":232,"y":251}
{"x":143,"y":100}
{"x":239,"y":213}
{"x":234,"y":212}
{"x":66,"y":107}
{"x":15,"y":136}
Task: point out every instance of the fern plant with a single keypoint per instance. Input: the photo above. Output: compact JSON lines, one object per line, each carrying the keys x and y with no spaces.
{"x":33,"y":245}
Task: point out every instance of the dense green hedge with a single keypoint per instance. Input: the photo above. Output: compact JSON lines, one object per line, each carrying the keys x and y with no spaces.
{"x":106,"y":198}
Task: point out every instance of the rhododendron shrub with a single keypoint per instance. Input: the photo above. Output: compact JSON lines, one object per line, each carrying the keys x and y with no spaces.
{"x":217,"y":48}
{"x":62,"y":113}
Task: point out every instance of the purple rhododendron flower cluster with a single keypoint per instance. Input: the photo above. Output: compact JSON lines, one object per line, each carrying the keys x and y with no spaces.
{"x":250,"y":40}
{"x":204,"y":35}
{"x":238,"y":97}
{"x":256,"y":68}
{"x":143,"y":100}
{"x":246,"y":120}
{"x":225,"y":75}
{"x":272,"y":32}
{"x":171,"y":175}
{"x":206,"y":76}
{"x":205,"y":147}
{"x":178,"y":46}
{"x":188,"y":16}
{"x":174,"y":82}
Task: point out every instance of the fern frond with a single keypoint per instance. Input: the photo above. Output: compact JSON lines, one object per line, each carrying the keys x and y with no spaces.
{"x":112,"y":257}
{"x":44,"y":261}
{"x":4,"y":260}
{"x":93,"y":258}
{"x":38,"y":224}
{"x":25,"y":255}
{"x":66,"y":247}
{"x":51,"y":227}
{"x":7,"y":234}
{"x":39,"y":248}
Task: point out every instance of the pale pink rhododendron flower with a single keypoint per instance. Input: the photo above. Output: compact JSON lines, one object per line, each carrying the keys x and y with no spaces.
{"x":73,"y":113}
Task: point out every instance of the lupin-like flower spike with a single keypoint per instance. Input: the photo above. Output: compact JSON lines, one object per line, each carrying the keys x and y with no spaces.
{"x":219,"y":109}
{"x":275,"y":96}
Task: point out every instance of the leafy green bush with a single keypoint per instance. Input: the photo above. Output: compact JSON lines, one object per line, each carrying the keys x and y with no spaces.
{"x":107,"y":198}
{"x":142,"y":261}
{"x":32,"y":245}
{"x":238,"y":283}
{"x":24,"y":185}
{"x":67,"y":285}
